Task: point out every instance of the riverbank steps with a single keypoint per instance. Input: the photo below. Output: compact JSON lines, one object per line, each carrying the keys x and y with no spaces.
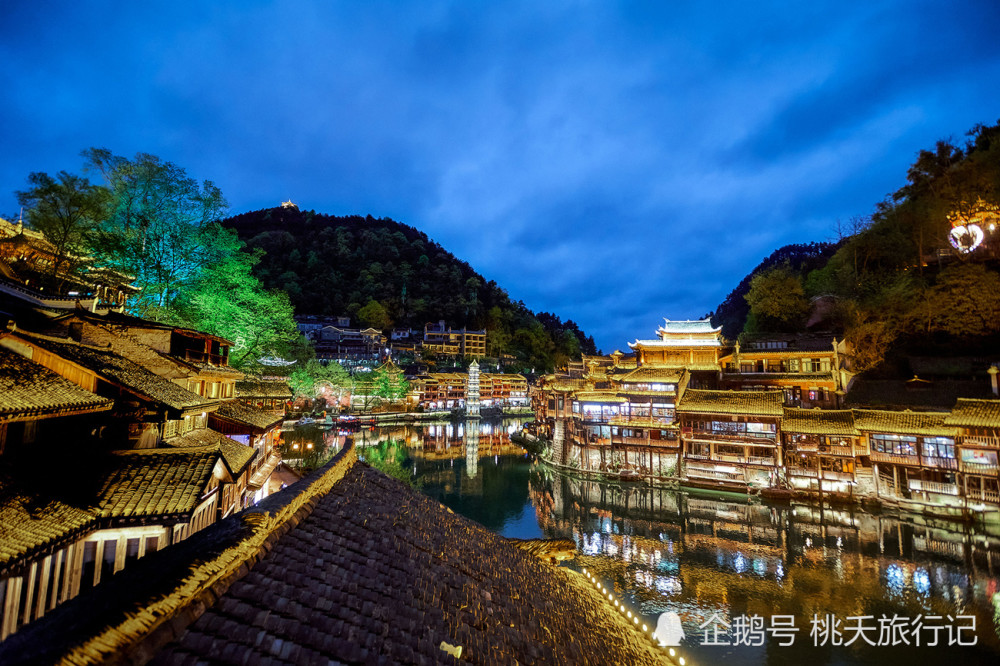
{"x":346,"y":565}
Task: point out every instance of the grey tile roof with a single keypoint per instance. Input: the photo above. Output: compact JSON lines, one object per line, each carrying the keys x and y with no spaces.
{"x":28,"y":389}
{"x":345,"y":566}
{"x":121,"y":371}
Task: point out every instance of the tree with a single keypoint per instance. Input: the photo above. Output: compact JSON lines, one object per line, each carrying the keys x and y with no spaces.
{"x":374,"y":315}
{"x":965,"y":301}
{"x":389,"y":385}
{"x":870,"y":337}
{"x":159,"y":226}
{"x":776,"y":299}
{"x":225,"y":299}
{"x":66,"y":210}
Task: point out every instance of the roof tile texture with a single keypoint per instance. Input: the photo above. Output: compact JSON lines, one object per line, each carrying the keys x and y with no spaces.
{"x":28,"y":388}
{"x":381,"y":574}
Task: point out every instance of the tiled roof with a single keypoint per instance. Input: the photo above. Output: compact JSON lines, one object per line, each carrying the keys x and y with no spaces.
{"x":218,"y":371}
{"x":599,"y":396}
{"x":689,"y":326}
{"x":751,"y":403}
{"x":346,"y":566}
{"x":819,"y":422}
{"x":903,"y":423}
{"x":28,"y":522}
{"x":261,"y":389}
{"x":151,"y":482}
{"x":975,"y":414}
{"x":236,"y":455}
{"x":119,"y":370}
{"x":250,"y":416}
{"x":652,"y":374}
{"x":642,"y":423}
{"x":28,"y":389}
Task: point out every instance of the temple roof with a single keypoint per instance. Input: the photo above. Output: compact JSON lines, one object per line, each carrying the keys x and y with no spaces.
{"x":241,"y":414}
{"x":969,"y":413}
{"x":154,"y":482}
{"x":28,"y":389}
{"x":819,"y":422}
{"x":676,"y":342}
{"x":750,"y":403}
{"x":903,"y":423}
{"x":688,"y":326}
{"x":252,"y":388}
{"x":346,"y":566}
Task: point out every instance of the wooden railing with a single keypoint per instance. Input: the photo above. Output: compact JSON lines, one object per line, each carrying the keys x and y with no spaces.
{"x":933,"y":487}
{"x":984,"y":496}
{"x":828,"y":475}
{"x":879,"y":456}
{"x":979,"y":468}
{"x":981,"y":440}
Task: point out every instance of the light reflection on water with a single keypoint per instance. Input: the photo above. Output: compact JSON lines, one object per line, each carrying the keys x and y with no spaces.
{"x":706,"y":556}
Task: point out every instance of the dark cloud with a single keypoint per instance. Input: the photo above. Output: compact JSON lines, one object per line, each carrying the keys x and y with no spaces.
{"x":614,"y":163}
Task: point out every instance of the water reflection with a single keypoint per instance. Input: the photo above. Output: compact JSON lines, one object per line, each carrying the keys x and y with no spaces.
{"x":712,"y":558}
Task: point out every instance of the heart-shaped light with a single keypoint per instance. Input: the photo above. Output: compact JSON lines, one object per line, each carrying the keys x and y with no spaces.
{"x":966,"y":238}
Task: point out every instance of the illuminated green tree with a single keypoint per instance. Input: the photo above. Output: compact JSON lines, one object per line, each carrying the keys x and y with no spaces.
{"x":160,"y":228}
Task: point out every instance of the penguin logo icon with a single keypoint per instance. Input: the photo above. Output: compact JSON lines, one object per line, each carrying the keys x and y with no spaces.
{"x":669,"y":631}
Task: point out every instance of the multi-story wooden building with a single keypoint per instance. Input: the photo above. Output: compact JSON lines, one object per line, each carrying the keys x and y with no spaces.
{"x":811,"y":371}
{"x":731,"y":438}
{"x":820,"y":449}
{"x":978,"y":449}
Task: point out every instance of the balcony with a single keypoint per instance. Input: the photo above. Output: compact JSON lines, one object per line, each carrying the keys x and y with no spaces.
{"x":933,"y":487}
{"x":744,"y":460}
{"x":987,"y":441}
{"x":987,"y":468}
{"x":898,"y":459}
{"x":939,"y":463}
{"x":828,"y":475}
{"x":989,"y":496}
{"x":747,"y":439}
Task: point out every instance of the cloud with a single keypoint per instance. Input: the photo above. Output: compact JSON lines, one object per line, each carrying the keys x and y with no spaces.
{"x":614,"y":163}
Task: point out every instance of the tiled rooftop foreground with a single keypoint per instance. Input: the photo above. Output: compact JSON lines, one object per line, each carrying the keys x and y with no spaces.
{"x":347,"y":566}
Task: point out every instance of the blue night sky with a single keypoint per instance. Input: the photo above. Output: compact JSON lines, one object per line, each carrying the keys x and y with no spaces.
{"x":614,"y":163}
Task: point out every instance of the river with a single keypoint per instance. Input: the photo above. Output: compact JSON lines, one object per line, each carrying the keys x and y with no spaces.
{"x":751,"y":583}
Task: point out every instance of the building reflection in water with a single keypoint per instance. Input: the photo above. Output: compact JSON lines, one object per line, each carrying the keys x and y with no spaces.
{"x":704,"y":555}
{"x":700,"y":556}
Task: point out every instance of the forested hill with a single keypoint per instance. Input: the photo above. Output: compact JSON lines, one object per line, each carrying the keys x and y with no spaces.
{"x":802,"y":257}
{"x":387,"y":274}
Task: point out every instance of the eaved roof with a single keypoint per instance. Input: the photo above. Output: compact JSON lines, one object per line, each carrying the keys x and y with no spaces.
{"x":904,"y":422}
{"x":346,"y":566}
{"x":29,"y":523}
{"x":236,"y":456}
{"x":819,"y":422}
{"x":155,"y":482}
{"x":120,"y":370}
{"x":28,"y":389}
{"x":969,"y":413}
{"x":253,"y":388}
{"x":750,"y":403}
{"x":649,"y":374}
{"x":688,"y":326}
{"x":251,"y":417}
{"x":599,"y":396}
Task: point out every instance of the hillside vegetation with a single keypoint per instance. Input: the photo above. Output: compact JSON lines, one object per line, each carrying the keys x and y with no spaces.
{"x":385,"y":274}
{"x":906,"y":278}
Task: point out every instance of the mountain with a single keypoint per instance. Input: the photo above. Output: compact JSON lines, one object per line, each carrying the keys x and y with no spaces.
{"x":384,"y":273}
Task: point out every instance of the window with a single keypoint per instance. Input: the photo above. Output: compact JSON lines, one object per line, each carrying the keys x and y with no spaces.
{"x":900,"y":445}
{"x":938,"y":447}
